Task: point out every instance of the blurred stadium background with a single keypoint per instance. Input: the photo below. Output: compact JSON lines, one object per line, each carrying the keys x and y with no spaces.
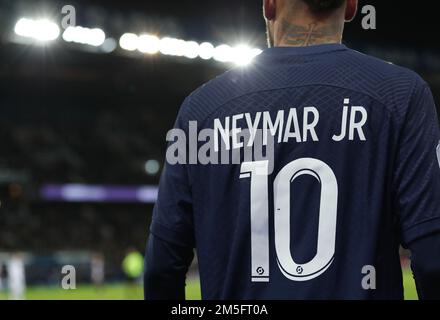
{"x":84,"y":112}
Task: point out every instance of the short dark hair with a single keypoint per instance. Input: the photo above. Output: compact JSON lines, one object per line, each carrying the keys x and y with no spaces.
{"x":321,"y":6}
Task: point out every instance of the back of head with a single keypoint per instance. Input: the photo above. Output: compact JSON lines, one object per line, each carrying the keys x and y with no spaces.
{"x":307,"y":22}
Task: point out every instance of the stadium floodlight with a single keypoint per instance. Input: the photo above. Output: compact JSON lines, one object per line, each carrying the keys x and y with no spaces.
{"x":167,"y":45}
{"x":224,"y":53}
{"x":45,"y":30}
{"x":243,"y":55}
{"x":172,"y":47}
{"x":93,"y":37}
{"x":148,"y":44}
{"x":129,"y":41}
{"x":206,"y":51}
{"x":109,"y":45}
{"x":41,"y":30}
{"x":96,"y":37}
{"x":192,"y":49}
{"x":152,"y":167}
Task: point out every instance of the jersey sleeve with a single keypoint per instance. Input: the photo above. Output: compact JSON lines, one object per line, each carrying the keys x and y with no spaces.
{"x":417,"y":175}
{"x":173,"y":212}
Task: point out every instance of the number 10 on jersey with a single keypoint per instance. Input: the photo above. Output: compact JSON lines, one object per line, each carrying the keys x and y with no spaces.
{"x":258,"y":173}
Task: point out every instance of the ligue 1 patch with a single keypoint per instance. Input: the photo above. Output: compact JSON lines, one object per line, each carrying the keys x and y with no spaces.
{"x":438,"y":153}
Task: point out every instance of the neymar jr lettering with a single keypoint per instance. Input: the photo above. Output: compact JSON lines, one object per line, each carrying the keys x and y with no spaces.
{"x":288,"y":127}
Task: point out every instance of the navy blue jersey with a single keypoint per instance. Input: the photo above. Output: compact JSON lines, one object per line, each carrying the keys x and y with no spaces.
{"x":355,"y":173}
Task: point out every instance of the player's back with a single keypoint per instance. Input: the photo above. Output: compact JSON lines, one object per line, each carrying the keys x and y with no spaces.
{"x":318,"y":218}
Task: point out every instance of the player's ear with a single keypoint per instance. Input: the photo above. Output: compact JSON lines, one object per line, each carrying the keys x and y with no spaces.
{"x":350,"y":10}
{"x":270,"y":10}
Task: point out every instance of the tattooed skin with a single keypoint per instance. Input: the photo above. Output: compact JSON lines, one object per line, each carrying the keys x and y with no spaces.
{"x":314,"y":33}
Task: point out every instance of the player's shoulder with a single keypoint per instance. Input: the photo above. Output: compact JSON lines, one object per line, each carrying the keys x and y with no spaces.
{"x":387,"y":76}
{"x":392,"y":86}
{"x":207,"y":98}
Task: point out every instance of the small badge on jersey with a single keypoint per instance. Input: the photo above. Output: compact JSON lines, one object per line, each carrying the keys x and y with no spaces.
{"x":438,"y":153}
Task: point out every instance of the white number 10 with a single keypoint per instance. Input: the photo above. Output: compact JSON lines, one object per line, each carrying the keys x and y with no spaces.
{"x":258,"y":173}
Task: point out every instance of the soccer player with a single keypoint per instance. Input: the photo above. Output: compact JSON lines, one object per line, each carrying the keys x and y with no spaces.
{"x":355,"y":174}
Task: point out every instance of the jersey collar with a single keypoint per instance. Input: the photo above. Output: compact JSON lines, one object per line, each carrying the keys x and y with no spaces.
{"x":317,"y":49}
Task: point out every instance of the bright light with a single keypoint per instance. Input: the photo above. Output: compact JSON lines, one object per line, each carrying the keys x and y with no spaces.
{"x":148,"y":44}
{"x":256,"y":52}
{"x":109,"y":45}
{"x":96,"y":37}
{"x":206,"y":51}
{"x":223,"y":53}
{"x":129,"y":41}
{"x":167,"y":45}
{"x":93,"y":37}
{"x":172,"y":47}
{"x":152,"y":167}
{"x":240,"y":55}
{"x":41,"y":30}
{"x":243,"y":55}
{"x":191,"y":49}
